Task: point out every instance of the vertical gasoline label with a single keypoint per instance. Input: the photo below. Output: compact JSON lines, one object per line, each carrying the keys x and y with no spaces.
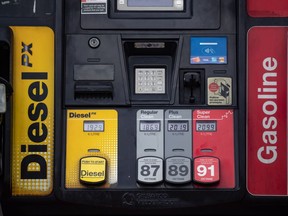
{"x":267,"y":111}
{"x":33,"y":111}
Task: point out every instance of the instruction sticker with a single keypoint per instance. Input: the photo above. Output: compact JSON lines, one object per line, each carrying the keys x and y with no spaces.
{"x":219,"y":91}
{"x":93,"y":6}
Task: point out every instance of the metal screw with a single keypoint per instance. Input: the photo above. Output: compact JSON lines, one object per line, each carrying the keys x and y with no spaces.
{"x":94,"y":42}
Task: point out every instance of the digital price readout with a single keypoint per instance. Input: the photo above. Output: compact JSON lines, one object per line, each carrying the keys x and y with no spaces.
{"x":93,"y":126}
{"x":150,"y":126}
{"x":178,"y":126}
{"x":206,"y":126}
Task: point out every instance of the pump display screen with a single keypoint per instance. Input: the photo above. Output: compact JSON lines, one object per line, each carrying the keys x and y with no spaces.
{"x":206,"y":126}
{"x":150,"y":3}
{"x":178,"y":126}
{"x":93,"y":126}
{"x":149,"y":126}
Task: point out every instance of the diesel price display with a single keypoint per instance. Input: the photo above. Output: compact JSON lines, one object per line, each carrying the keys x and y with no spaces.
{"x":93,"y":126}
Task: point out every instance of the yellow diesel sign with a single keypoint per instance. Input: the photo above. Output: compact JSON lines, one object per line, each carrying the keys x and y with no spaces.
{"x":33,"y":111}
{"x":91,"y":148}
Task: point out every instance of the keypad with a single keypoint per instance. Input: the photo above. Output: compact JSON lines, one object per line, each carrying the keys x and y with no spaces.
{"x":150,"y":81}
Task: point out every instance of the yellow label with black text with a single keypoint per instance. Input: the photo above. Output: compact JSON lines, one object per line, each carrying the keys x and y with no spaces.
{"x":91,"y":133}
{"x":33,"y":111}
{"x":93,"y":170}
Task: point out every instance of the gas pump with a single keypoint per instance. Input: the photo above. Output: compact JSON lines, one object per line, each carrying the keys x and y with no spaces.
{"x":161,"y":107}
{"x":121,"y":106}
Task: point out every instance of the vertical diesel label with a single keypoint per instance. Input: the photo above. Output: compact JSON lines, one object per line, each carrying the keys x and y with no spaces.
{"x":267,"y":111}
{"x":33,"y":111}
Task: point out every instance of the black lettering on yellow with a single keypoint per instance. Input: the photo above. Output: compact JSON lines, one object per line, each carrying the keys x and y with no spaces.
{"x":37,"y":113}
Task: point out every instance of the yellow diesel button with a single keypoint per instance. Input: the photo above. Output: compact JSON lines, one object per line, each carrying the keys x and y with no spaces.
{"x":93,"y":170}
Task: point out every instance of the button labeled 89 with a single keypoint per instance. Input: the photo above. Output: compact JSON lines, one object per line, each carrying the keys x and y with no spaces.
{"x":178,"y":170}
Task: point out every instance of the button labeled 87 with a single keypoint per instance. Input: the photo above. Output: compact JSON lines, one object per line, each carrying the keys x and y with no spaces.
{"x":206,"y":170}
{"x":150,"y":170}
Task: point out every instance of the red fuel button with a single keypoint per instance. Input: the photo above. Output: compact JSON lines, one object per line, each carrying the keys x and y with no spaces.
{"x":206,"y":170}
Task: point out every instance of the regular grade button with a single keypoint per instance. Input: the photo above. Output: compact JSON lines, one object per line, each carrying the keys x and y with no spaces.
{"x":93,"y":170}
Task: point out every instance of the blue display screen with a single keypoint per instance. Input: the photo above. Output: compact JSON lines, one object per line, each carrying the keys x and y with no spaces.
{"x":208,"y":50}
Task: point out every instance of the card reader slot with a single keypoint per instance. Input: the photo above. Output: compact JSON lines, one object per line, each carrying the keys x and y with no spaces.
{"x":192,"y":87}
{"x":93,"y":90}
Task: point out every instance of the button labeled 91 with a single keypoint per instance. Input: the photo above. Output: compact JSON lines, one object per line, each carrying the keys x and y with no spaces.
{"x":206,"y":170}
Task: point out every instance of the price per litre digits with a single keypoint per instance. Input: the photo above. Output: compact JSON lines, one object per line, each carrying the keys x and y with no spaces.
{"x":178,"y":126}
{"x":93,"y":126}
{"x":150,"y":126}
{"x":206,"y":126}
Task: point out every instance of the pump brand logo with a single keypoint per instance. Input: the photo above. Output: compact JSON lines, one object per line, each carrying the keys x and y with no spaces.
{"x":267,"y":111}
{"x":33,"y":111}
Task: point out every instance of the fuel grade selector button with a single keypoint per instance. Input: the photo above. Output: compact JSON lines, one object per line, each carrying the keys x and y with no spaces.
{"x":150,"y":146}
{"x":206,"y":170}
{"x":93,"y":170}
{"x":178,"y":148}
{"x":91,"y":148}
{"x":150,"y":170}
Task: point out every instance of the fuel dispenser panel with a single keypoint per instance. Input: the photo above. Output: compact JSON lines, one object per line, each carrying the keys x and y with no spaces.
{"x":156,"y":81}
{"x":178,"y":148}
{"x":213,"y":148}
{"x":138,"y":105}
{"x":91,"y":148}
{"x":150,"y":146}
